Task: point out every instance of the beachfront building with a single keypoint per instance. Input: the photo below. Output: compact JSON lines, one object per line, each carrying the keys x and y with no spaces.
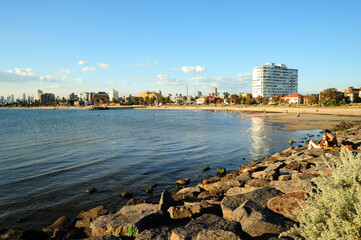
{"x":274,"y":80}
{"x":214,"y":92}
{"x":352,"y":95}
{"x":113,"y":94}
{"x":294,"y":98}
{"x":177,"y":98}
{"x":84,"y":96}
{"x":150,"y":94}
{"x":47,"y":97}
{"x":37,"y":94}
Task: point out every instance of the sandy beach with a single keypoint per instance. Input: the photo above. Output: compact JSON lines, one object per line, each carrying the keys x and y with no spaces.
{"x":294,"y":118}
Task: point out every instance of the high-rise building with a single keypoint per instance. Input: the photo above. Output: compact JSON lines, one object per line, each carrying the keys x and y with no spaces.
{"x":113,"y":94}
{"x":199,"y":94}
{"x":12,"y":98}
{"x":1,"y":100}
{"x":274,"y":80}
{"x":214,"y":91}
{"x":37,"y":95}
{"x":24,"y":97}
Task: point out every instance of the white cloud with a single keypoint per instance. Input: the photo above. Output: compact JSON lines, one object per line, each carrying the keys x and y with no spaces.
{"x":244,"y":77}
{"x":50,"y":78}
{"x":88,"y":69}
{"x":156,"y":63}
{"x":79,"y":80}
{"x":163,"y":79}
{"x":196,"y":69}
{"x":111,"y":82}
{"x":81,"y":62}
{"x":23,"y":72}
{"x":104,"y":65}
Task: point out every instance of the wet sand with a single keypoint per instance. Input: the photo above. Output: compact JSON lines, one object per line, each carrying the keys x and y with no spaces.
{"x":294,"y":118}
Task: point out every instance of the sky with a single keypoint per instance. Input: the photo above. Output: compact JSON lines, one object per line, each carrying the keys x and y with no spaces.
{"x":133,"y":46}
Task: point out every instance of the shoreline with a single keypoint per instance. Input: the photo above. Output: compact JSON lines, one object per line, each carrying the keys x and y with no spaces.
{"x":309,"y":117}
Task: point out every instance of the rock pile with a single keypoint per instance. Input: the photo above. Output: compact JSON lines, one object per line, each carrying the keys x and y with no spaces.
{"x":254,"y":202}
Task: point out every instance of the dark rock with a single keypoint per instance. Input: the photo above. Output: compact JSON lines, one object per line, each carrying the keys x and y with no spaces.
{"x":90,"y":190}
{"x":13,"y":234}
{"x":204,"y":223}
{"x":260,"y":196}
{"x":258,"y":221}
{"x":221,"y":172}
{"x":183,"y":181}
{"x":166,"y":201}
{"x":136,"y":201}
{"x":61,"y":224}
{"x":85,"y":217}
{"x":205,"y":169}
{"x":126,"y":194}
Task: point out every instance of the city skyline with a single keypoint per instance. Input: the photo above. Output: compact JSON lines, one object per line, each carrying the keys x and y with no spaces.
{"x":84,"y":46}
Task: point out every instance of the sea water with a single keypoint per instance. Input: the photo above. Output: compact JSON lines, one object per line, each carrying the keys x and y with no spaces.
{"x":48,"y":158}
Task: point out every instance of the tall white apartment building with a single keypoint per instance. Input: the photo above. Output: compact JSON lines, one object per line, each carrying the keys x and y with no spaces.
{"x":37,"y":94}
{"x":113,"y":94}
{"x":274,"y":80}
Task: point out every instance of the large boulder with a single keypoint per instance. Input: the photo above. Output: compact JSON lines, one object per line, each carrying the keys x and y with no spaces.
{"x":221,"y":187}
{"x":240,"y":190}
{"x":265,"y":175}
{"x":260,"y":196}
{"x":289,"y":186}
{"x":286,"y":203}
{"x":166,"y":201}
{"x":218,"y":234}
{"x":186,"y":193}
{"x":204,"y":223}
{"x":258,"y":221}
{"x":134,"y":217}
{"x":257,"y":183}
{"x":161,"y":233}
{"x":61,"y":224}
{"x":85,"y":217}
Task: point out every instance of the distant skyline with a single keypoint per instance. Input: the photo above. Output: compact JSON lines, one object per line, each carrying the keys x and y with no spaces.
{"x":133,"y":46}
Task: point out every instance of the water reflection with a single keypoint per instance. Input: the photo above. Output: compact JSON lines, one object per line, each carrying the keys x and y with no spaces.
{"x":260,"y":143}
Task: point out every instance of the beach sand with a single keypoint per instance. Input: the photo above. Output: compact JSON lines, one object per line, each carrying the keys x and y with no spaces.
{"x":309,"y":117}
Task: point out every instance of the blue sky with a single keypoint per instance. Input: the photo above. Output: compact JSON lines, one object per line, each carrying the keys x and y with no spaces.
{"x":133,"y":46}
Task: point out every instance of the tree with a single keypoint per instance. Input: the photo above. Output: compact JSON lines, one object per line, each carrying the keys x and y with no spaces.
{"x":331,"y":93}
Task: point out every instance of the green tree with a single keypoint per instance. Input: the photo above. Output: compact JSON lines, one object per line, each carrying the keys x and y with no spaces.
{"x":329,"y":94}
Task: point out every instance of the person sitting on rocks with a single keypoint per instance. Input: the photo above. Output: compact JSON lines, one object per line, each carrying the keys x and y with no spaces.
{"x":322,"y":144}
{"x":331,"y":139}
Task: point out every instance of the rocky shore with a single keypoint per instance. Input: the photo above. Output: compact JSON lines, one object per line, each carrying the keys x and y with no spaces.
{"x":254,"y":202}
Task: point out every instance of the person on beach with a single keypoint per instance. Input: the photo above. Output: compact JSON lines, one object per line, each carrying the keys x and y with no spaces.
{"x":331,"y":139}
{"x":322,"y":144}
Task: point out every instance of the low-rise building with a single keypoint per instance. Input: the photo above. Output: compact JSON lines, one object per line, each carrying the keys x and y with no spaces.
{"x":352,"y":95}
{"x":150,"y":94}
{"x":294,"y":98}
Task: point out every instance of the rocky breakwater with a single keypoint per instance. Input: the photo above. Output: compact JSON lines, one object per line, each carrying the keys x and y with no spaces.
{"x":254,"y":202}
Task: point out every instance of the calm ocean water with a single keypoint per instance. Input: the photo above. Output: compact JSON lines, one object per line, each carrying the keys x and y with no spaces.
{"x":49,"y":158}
